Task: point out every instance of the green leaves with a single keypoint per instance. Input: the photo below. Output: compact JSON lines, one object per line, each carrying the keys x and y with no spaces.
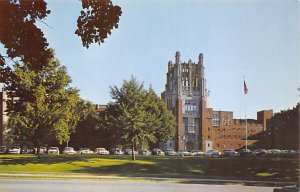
{"x":42,"y":104}
{"x":138,"y":113}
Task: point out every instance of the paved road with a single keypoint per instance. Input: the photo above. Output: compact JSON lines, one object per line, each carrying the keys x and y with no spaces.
{"x":23,"y":185}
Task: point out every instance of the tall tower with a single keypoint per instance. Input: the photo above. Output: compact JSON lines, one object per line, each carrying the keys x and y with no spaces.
{"x":185,"y":96}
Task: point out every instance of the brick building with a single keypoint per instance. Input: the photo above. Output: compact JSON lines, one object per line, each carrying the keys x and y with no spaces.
{"x":200,"y":127}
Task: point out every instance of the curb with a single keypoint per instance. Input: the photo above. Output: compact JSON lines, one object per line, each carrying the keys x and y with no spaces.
{"x":110,"y":177}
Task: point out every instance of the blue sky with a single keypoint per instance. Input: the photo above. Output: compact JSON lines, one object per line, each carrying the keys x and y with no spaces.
{"x":258,"y":39}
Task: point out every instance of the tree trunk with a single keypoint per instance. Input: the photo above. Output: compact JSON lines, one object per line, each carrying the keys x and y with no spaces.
{"x":133,"y":154}
{"x":39,"y":151}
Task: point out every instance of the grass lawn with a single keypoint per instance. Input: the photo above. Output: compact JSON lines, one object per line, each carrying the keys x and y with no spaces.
{"x":250,"y":168}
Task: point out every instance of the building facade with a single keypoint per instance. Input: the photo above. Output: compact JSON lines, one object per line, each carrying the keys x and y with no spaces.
{"x":185,"y":95}
{"x":197,"y":126}
{"x":3,"y":117}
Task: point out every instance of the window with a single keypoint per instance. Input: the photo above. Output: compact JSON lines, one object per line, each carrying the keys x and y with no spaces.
{"x":190,"y":105}
{"x":218,"y":145}
{"x":231,"y":146}
{"x":208,"y":137}
{"x":208,"y":144}
{"x":239,"y":145}
{"x":209,"y":129}
{"x":216,"y":119}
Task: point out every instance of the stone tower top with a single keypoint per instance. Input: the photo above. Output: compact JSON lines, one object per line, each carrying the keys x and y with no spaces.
{"x":201,"y":58}
{"x":177,"y":57}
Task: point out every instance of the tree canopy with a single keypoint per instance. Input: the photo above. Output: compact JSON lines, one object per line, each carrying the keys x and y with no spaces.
{"x":138,"y":115}
{"x":41,"y":105}
{"x":25,"y":42}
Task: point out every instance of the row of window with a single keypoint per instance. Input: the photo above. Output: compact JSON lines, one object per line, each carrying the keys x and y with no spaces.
{"x":252,"y":130}
{"x":230,"y":136}
{"x":231,"y":146}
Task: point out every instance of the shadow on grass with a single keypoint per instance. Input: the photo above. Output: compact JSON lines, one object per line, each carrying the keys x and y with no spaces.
{"x":280,"y":169}
{"x":45,"y":159}
{"x":261,"y":169}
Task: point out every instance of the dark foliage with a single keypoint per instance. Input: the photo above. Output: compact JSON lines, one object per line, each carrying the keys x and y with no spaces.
{"x":96,"y":21}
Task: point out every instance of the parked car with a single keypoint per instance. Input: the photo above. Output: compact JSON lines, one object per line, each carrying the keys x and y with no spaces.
{"x":43,"y":150}
{"x":85,"y":151}
{"x":170,"y":152}
{"x":230,"y":153}
{"x":260,"y":152}
{"x":274,"y":152}
{"x":14,"y":150}
{"x":53,"y":151}
{"x":28,"y":150}
{"x":212,"y":153}
{"x":245,"y":152}
{"x":144,"y":152}
{"x":198,"y":153}
{"x":101,"y":151}
{"x":157,"y":152}
{"x":69,"y":151}
{"x":3,"y":150}
{"x":183,"y":153}
{"x":129,"y":152}
{"x":117,"y":151}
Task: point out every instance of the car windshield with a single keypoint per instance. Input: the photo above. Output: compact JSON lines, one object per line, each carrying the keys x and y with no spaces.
{"x":69,"y":149}
{"x":53,"y":148}
{"x":84,"y":149}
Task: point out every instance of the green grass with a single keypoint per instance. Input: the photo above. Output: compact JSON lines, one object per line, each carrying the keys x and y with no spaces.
{"x":251,"y":168}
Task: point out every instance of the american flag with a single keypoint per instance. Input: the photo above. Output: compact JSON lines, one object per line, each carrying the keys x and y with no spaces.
{"x":245,"y":88}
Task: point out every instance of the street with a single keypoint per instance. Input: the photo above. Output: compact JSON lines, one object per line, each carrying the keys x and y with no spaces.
{"x":65,"y":185}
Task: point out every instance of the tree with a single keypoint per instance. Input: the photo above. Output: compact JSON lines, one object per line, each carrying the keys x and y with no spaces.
{"x":25,"y":42}
{"x":42,"y":106}
{"x":85,"y":134}
{"x":284,"y":129}
{"x":139,"y":116}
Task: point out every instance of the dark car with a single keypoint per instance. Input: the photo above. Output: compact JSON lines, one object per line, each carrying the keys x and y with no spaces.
{"x":3,"y":150}
{"x":245,"y":152}
{"x":230,"y":153}
{"x":260,"y":152}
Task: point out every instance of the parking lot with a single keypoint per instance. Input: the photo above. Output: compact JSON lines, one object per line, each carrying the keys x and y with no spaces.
{"x":146,"y":152}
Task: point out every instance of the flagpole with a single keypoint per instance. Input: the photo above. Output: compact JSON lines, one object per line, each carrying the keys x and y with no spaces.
{"x":245,"y":108}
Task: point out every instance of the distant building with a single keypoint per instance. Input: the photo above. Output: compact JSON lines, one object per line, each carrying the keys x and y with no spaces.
{"x":100,"y":108}
{"x":199,"y":127}
{"x":3,"y":117}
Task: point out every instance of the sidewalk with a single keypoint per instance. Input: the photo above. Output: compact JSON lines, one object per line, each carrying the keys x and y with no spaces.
{"x":111,"y":177}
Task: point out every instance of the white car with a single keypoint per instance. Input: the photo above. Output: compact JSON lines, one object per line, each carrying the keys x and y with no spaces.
{"x":183,"y":153}
{"x":157,"y":152}
{"x":101,"y":151}
{"x":53,"y":151}
{"x":69,"y":151}
{"x":213,"y":153}
{"x":198,"y":153}
{"x":170,"y":152}
{"x":85,"y":151}
{"x":117,"y":151}
{"x":144,"y":152}
{"x":14,"y":150}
